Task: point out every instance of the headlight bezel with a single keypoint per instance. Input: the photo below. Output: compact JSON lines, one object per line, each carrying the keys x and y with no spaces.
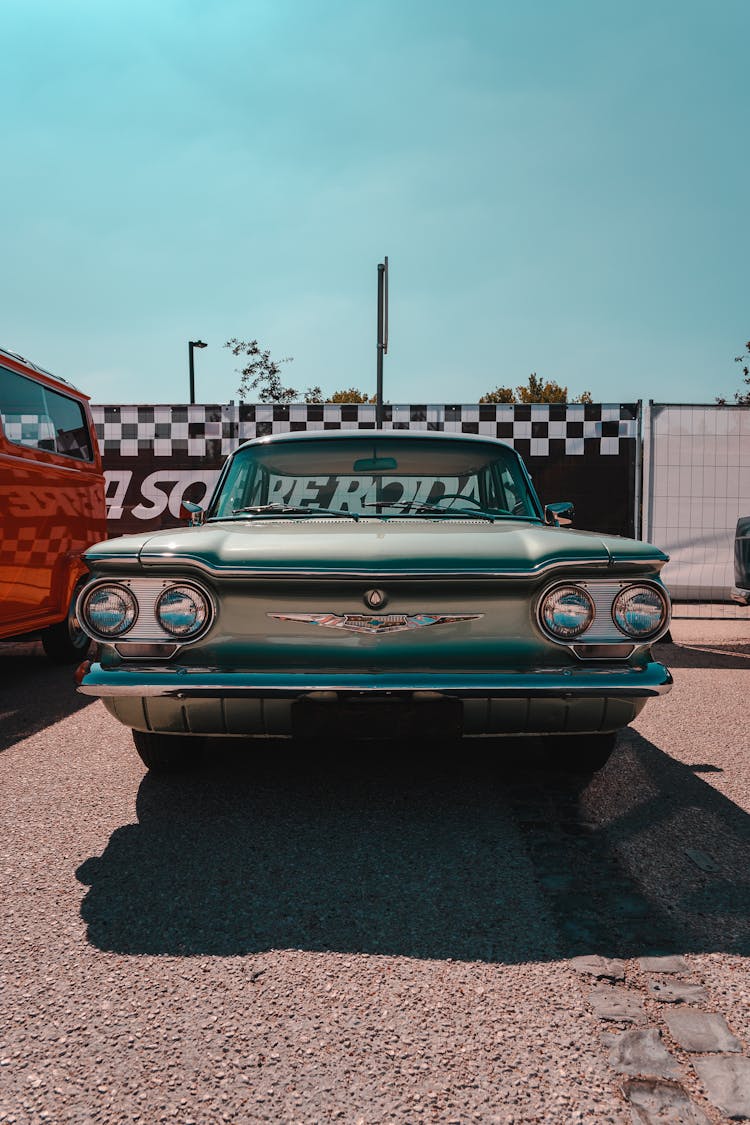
{"x":642,"y":638}
{"x":603,"y":631}
{"x":194,"y":588}
{"x":575,"y":635}
{"x":146,"y":628}
{"x":82,"y":609}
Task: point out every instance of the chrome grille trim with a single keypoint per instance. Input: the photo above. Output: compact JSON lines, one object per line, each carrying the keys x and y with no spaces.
{"x":372,"y":574}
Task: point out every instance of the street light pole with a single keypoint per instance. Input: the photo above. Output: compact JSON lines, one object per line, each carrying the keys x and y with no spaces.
{"x":382,"y":336}
{"x":193,"y":344}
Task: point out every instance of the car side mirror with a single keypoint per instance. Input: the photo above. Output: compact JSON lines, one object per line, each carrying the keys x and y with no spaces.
{"x":191,"y":512}
{"x":559,"y":514}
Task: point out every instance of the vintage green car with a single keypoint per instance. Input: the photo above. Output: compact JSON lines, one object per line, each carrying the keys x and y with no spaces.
{"x":370,"y":584}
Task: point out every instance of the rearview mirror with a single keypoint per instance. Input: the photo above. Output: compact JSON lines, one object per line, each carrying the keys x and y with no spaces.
{"x":191,"y":512}
{"x":559,"y":514}
{"x":374,"y":464}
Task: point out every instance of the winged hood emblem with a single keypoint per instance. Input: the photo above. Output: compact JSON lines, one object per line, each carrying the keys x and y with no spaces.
{"x":371,"y":623}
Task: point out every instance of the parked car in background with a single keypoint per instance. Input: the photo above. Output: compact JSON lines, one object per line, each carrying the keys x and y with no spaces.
{"x":51,"y":505}
{"x":375,"y":584}
{"x":741,"y":591}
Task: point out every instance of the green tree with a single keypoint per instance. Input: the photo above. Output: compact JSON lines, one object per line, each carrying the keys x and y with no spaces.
{"x":260,"y":374}
{"x":500,"y":394}
{"x":740,"y":398}
{"x":351,"y":394}
{"x":536,"y":390}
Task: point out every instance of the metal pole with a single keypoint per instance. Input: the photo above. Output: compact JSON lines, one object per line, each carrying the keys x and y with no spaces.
{"x":637,"y":493}
{"x":382,"y":337}
{"x":379,"y":383}
{"x":647,"y":486}
{"x":191,"y":345}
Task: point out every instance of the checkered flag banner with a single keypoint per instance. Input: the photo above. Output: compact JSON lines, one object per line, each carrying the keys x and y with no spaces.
{"x":534,"y":430}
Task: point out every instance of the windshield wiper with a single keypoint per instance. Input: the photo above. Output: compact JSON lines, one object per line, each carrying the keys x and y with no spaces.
{"x":418,"y":508}
{"x":287,"y":510}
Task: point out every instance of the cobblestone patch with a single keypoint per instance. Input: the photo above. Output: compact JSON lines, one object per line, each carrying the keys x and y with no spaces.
{"x":727,"y":1082}
{"x":642,"y":1053}
{"x":657,"y":1091}
{"x":694,"y":1030}
{"x":603,"y":968}
{"x":677,"y":992}
{"x":656,"y":1102}
{"x":673,"y":964}
{"x":621,"y":1005}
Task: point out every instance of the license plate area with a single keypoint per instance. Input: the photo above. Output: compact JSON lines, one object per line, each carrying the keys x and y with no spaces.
{"x":382,"y":717}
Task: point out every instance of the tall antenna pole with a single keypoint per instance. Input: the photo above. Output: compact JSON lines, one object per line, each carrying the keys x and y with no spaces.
{"x":382,"y":336}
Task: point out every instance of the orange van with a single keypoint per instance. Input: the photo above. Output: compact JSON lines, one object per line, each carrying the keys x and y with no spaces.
{"x":51,"y":505}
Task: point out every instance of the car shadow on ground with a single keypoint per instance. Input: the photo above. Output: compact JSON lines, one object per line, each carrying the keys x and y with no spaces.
{"x":705,"y":655}
{"x":35,"y":693}
{"x":487,"y":855}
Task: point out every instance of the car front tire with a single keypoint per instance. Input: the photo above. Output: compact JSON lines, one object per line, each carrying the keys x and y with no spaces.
{"x":167,"y":753}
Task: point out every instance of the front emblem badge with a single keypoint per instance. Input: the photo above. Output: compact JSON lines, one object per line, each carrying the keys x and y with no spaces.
{"x":388,"y":623}
{"x":374,"y":599}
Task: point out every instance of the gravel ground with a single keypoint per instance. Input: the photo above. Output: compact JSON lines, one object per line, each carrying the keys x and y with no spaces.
{"x":366,"y":937}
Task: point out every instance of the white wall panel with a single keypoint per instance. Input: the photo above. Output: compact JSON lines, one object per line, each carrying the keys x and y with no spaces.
{"x":696,"y":486}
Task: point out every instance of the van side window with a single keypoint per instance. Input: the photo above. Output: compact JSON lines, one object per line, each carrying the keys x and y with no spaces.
{"x":34,"y":415}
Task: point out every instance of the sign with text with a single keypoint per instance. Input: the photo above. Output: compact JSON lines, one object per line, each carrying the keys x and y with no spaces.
{"x":157,"y":456}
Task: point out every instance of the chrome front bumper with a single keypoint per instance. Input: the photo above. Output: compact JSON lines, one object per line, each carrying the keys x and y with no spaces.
{"x":182,"y":683}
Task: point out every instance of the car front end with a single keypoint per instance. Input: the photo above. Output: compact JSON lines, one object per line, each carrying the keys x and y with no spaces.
{"x":392,"y":585}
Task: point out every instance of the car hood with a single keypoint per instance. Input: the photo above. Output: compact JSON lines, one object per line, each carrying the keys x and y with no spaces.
{"x":374,"y":546}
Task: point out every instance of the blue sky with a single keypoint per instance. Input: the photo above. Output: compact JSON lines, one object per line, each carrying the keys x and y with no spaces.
{"x":560,"y":188}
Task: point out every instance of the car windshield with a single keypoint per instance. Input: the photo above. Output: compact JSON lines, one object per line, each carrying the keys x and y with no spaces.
{"x":385,"y":477}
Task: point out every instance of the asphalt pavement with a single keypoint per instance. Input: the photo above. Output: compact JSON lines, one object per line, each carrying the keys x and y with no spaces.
{"x":378,"y":934}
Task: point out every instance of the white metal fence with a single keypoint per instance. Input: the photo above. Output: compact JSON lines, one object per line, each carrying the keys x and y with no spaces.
{"x":696,"y":484}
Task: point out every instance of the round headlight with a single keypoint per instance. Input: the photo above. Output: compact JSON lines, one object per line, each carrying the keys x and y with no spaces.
{"x":182,"y":611}
{"x":109,"y":610}
{"x":567,"y":611}
{"x":639,"y":611}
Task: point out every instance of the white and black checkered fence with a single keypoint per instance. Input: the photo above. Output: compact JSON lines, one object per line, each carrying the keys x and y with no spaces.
{"x":156,"y":456}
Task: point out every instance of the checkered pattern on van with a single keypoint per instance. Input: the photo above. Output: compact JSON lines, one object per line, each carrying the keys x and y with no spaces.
{"x":20,"y":543}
